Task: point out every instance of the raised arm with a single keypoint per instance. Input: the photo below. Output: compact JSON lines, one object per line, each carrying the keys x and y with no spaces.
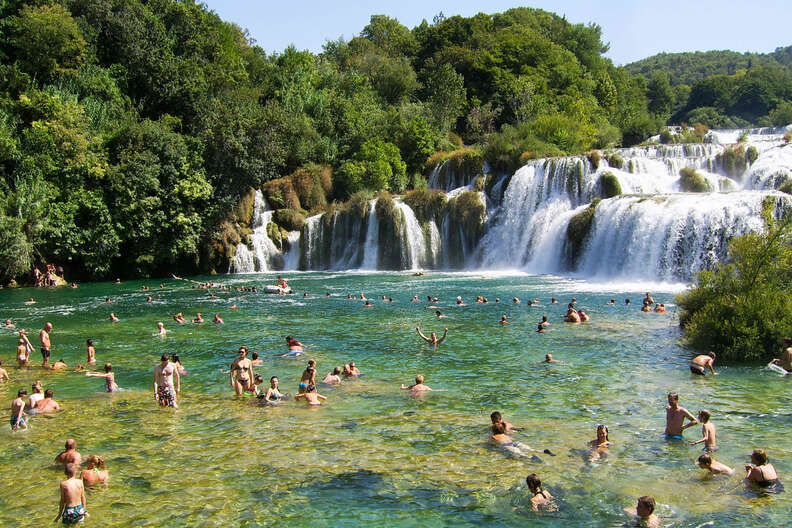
{"x":418,"y":329}
{"x":445,"y":333}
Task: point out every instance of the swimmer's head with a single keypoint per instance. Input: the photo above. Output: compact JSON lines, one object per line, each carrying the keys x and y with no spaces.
{"x":258,"y":379}
{"x":704,"y":415}
{"x":21,"y":393}
{"x":255,"y":355}
{"x":274,"y":380}
{"x":351,"y":364}
{"x":496,"y":417}
{"x":759,"y":457}
{"x":705,"y":461}
{"x":160,"y":325}
{"x":544,"y":318}
{"x":498,"y":428}
{"x":71,"y":444}
{"x":95,"y":461}
{"x":673,"y":397}
{"x":48,"y":327}
{"x":108,"y":367}
{"x":437,"y":312}
{"x":602,"y":432}
{"x":712,"y":355}
{"x":646,"y":504}
{"x":534,"y":483}
{"x":311,"y":362}
{"x":548,"y":357}
{"x":89,"y":342}
{"x":70,"y":470}
{"x":336,"y":371}
{"x":419,"y":379}
{"x":164,"y":358}
{"x":243,"y":350}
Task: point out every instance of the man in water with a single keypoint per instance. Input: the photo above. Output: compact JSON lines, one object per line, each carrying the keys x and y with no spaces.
{"x":648,"y":299}
{"x":713,"y":466}
{"x":785,"y":362}
{"x":503,"y":320}
{"x":545,"y":323}
{"x":217,"y":319}
{"x":418,"y":386}
{"x":72,"y":497}
{"x":44,"y":335}
{"x":497,"y":418}
{"x":708,"y":433}
{"x":675,"y":418}
{"x":644,"y":511}
{"x":9,"y":324}
{"x":311,"y":396}
{"x":70,"y":455}
{"x":501,"y":439}
{"x":161,"y":332}
{"x":113,"y":318}
{"x":701,"y":362}
{"x":165,"y":392}
{"x":18,"y":420}
{"x":549,"y":359}
{"x":58,"y":365}
{"x":432,"y":340}
{"x":47,"y":404}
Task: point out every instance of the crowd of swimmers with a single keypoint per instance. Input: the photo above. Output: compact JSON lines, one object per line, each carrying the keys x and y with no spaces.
{"x":245,"y":382}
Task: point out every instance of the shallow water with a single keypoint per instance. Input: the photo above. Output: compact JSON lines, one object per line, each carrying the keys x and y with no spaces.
{"x":374,"y":455}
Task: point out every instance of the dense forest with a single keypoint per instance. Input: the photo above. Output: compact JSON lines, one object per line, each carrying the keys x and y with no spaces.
{"x":720,"y":89}
{"x":133,"y":131}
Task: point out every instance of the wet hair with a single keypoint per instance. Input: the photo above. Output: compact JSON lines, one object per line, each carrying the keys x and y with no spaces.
{"x":96,"y":461}
{"x":534,"y":482}
{"x":288,"y":338}
{"x":176,"y":358}
{"x":311,"y":362}
{"x":712,"y":355}
{"x":544,"y":318}
{"x":71,"y":444}
{"x":255,"y":355}
{"x":337,"y":371}
{"x":705,"y":415}
{"x":496,"y":417}
{"x":673,"y":396}
{"x":89,"y":342}
{"x":108,"y":367}
{"x":164,"y":357}
{"x":647,"y":502}
{"x":273,"y":378}
{"x":70,"y":470}
{"x":760,"y":456}
{"x":603,"y":428}
{"x":49,"y":393}
{"x":21,"y":392}
{"x":419,"y":378}
{"x":437,"y":312}
{"x":626,"y":301}
{"x":498,"y":428}
{"x":705,"y":459}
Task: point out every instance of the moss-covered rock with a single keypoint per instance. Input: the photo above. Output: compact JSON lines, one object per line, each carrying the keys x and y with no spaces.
{"x":786,"y":187}
{"x":692,"y":181}
{"x":594,"y":157}
{"x":279,"y":236}
{"x":733,"y":161}
{"x":460,"y":167}
{"x":468,"y":210}
{"x":243,"y":211}
{"x":426,"y":204}
{"x":577,"y":231}
{"x":616,"y":161}
{"x":312,"y":184}
{"x":289,"y":219}
{"x":751,"y":154}
{"x":609,"y":185}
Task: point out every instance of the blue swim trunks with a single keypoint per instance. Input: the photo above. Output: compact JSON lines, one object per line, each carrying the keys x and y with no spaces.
{"x":674,"y":437}
{"x":302,"y":386}
{"x":21,"y":423}
{"x":73,"y":514}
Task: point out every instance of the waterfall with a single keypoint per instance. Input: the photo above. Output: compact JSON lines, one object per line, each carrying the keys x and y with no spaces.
{"x":650,"y":230}
{"x":413,"y":240}
{"x":371,"y":247}
{"x":265,"y":255}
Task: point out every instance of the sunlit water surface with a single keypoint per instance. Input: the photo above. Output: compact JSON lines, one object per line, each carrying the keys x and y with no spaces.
{"x":374,"y":455}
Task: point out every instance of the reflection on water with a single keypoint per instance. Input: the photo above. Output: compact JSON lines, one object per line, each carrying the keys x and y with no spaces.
{"x":374,"y":454}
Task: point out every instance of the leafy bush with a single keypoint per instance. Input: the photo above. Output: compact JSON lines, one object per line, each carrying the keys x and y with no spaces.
{"x":609,"y":185}
{"x":733,"y":160}
{"x":781,"y":115}
{"x":692,"y":181}
{"x":787,"y":137}
{"x":280,"y":194}
{"x":744,"y":308}
{"x":594,"y":157}
{"x":751,"y":154}
{"x":289,"y":219}
{"x":616,"y":161}
{"x":426,"y":204}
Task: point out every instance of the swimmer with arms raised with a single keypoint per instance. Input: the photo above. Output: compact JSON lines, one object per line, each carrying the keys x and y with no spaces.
{"x":701,"y":362}
{"x":418,"y":386}
{"x":675,"y":418}
{"x":311,"y":396}
{"x":433,"y":339}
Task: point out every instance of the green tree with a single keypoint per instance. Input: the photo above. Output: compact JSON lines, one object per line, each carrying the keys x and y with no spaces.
{"x":377,"y":166}
{"x":660,"y":93}
{"x":447,"y":96}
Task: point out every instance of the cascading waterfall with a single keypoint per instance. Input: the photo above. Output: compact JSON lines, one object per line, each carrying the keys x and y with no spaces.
{"x":653,"y":231}
{"x":265,"y":255}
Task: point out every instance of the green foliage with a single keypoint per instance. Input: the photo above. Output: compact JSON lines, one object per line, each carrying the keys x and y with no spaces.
{"x":377,"y":166}
{"x":742,"y":309}
{"x":733,"y":160}
{"x":46,"y":41}
{"x":609,"y":185}
{"x":692,"y":181}
{"x":751,"y":154}
{"x":577,"y":231}
{"x":289,"y":219}
{"x":781,"y":115}
{"x":615,"y":161}
{"x":594,"y":157}
{"x":426,"y":204}
{"x":697,"y":134}
{"x":660,"y":93}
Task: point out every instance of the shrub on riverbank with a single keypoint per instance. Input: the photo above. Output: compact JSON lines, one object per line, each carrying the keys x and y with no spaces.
{"x":289,"y":219}
{"x":609,"y":185}
{"x":742,"y":310}
{"x":733,"y":160}
{"x":426,"y":204}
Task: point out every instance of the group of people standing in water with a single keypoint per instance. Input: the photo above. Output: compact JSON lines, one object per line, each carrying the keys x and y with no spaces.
{"x":245,"y":382}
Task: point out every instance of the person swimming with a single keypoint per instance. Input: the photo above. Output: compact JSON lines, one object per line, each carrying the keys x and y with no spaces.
{"x":761,"y":473}
{"x":716,"y":468}
{"x":503,"y":320}
{"x":108,"y":375}
{"x":273,"y":394}
{"x":311,"y":396}
{"x":433,"y":339}
{"x":540,"y":499}
{"x":504,"y":441}
{"x":418,"y":386}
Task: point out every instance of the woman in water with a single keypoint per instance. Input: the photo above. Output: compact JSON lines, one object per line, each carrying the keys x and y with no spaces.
{"x":761,"y":473}
{"x":176,"y":361}
{"x":241,"y":372}
{"x":91,"y":351}
{"x":600,"y":444}
{"x":95,"y":471}
{"x":540,"y":499}
{"x":109,"y":377}
{"x":272,"y":394}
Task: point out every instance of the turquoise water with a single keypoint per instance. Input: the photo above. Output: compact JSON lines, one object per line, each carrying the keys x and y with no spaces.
{"x":375,"y":455}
